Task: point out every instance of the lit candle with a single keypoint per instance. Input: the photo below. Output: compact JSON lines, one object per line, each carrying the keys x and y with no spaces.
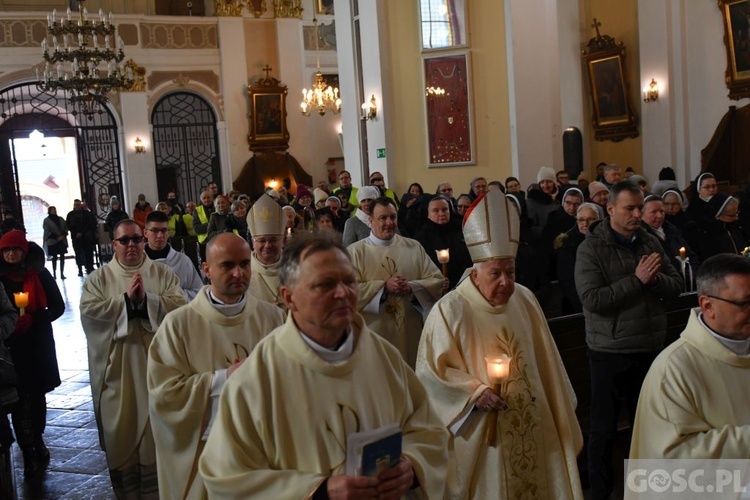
{"x":683,"y":253}
{"x":444,"y":256}
{"x":498,"y":368}
{"x":746,"y":251}
{"x":22,"y":300}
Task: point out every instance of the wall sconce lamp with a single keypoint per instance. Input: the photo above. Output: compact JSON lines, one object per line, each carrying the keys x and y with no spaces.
{"x":370,"y":109}
{"x":651,"y":93}
{"x":139,"y":147}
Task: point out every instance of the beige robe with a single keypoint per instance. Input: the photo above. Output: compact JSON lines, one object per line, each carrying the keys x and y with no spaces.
{"x":117,"y":350}
{"x":264,"y":282}
{"x":191,"y":345}
{"x":538,"y":437}
{"x":285,"y":414}
{"x":396,"y":319}
{"x":695,"y":401}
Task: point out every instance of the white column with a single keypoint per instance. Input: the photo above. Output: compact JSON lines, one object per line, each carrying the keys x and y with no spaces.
{"x":139,"y":169}
{"x":233,"y":77}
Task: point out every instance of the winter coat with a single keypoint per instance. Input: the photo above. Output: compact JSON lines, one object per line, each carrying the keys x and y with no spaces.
{"x":622,"y":314}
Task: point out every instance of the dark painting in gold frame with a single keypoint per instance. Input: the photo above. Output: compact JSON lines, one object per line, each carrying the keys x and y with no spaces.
{"x":267,"y":103}
{"x":735,"y":15}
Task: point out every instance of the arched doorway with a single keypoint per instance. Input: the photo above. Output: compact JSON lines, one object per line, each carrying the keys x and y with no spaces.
{"x":24,"y":109}
{"x":186,"y":145}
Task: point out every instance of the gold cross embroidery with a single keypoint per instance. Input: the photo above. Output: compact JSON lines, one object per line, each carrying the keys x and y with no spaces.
{"x":265,"y":214}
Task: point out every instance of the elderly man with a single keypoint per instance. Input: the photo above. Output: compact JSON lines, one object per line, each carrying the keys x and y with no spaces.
{"x":122,"y":305}
{"x":695,"y":401}
{"x":533,"y":412}
{"x":623,"y":278}
{"x":285,"y":416}
{"x":612,"y":175}
{"x":196,"y":349}
{"x":266,"y":223}
{"x":357,"y":227}
{"x":203,"y":215}
{"x":394,"y":273}
{"x":158,"y":250}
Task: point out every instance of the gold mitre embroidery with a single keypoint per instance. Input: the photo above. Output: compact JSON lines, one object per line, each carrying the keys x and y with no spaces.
{"x":492,"y":227}
{"x":266,"y":217}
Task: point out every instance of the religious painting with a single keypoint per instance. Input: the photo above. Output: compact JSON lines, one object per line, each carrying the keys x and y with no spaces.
{"x":332,"y":80}
{"x":448,"y":106}
{"x":613,"y":116}
{"x":268,"y":129}
{"x":324,"y":7}
{"x":736,"y":14}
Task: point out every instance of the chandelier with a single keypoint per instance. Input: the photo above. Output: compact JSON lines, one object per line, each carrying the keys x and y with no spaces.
{"x":75,"y":59}
{"x":321,"y":96}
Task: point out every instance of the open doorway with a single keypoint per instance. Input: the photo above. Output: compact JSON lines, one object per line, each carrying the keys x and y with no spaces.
{"x":47,"y":176}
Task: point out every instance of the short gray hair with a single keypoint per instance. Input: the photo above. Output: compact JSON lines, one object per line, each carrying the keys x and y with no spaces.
{"x":712,"y":273}
{"x":308,"y":244}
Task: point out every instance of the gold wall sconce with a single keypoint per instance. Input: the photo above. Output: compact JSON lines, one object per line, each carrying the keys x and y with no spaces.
{"x":651,"y":93}
{"x":370,"y":109}
{"x":139,"y":147}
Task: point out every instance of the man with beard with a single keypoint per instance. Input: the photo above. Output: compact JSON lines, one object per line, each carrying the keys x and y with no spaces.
{"x":196,"y":349}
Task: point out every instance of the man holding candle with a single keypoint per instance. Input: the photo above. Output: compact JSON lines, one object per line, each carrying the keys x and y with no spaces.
{"x":122,"y":305}
{"x":491,"y":369}
{"x":266,"y":223}
{"x":285,"y":415}
{"x":623,"y":278}
{"x":398,"y":283}
{"x":196,"y":349}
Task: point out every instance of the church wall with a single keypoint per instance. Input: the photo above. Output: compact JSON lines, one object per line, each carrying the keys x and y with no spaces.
{"x":619,"y":20}
{"x":406,"y":109}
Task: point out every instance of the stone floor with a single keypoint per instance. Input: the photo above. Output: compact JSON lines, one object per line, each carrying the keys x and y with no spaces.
{"x":77,"y":467}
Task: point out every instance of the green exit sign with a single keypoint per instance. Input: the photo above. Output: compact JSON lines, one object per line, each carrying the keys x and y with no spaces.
{"x":381,"y":152}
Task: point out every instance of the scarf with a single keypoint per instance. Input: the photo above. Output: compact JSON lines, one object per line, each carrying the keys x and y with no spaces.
{"x":361,"y":215}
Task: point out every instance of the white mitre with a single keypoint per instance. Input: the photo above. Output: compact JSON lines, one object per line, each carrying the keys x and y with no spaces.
{"x":266,"y":217}
{"x":492,"y":227}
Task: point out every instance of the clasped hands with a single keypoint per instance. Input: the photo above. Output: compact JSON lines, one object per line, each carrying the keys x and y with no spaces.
{"x":136,"y":292}
{"x":397,"y":285}
{"x":390,"y":484}
{"x":648,"y":267}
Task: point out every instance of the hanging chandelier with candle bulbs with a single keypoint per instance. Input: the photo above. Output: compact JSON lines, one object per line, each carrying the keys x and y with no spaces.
{"x":83,"y":57}
{"x":321,"y":96}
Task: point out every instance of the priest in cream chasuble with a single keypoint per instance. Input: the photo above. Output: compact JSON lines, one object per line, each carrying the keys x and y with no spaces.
{"x":193,"y":353}
{"x":531,"y":411}
{"x":398,"y":283}
{"x":266,"y":223}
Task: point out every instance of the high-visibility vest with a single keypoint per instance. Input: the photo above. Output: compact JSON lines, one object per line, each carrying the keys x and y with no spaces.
{"x":204,"y":220}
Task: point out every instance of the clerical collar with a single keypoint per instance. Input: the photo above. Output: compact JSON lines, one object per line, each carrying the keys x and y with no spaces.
{"x":224,"y":308}
{"x":157,"y":254}
{"x":333,"y":356}
{"x":739,"y":347}
{"x":377,"y":242}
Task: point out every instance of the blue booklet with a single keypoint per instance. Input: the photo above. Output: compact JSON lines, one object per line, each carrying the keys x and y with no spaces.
{"x":369,"y":453}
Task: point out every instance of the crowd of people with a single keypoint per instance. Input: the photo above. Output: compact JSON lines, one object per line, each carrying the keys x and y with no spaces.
{"x":252,"y":384}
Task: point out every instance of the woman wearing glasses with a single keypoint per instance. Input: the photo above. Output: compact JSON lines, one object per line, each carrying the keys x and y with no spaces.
{"x":31,"y":344}
{"x":566,"y":246}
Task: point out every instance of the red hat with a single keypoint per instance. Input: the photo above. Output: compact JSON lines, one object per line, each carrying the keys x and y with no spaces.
{"x":302,"y":191}
{"x":14,"y":239}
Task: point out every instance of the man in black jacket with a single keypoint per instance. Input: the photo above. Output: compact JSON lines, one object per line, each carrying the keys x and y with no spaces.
{"x":623,"y":276}
{"x":82,"y":226}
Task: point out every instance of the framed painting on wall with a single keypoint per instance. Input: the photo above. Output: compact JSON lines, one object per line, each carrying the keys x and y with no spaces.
{"x":614,"y":118}
{"x":448,"y":106}
{"x":736,"y":14}
{"x":324,"y":7}
{"x":267,"y":102}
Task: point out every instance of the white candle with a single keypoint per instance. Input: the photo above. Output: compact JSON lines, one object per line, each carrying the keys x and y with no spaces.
{"x":498,"y":367}
{"x":443,"y":256}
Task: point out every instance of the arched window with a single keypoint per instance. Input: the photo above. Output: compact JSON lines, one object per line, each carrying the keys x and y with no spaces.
{"x":186,"y":145}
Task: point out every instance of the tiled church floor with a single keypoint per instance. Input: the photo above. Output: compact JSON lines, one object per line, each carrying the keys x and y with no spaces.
{"x":77,"y":467}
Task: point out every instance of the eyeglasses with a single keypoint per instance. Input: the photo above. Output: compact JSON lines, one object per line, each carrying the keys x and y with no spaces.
{"x":447,"y":190}
{"x":267,"y":241}
{"x":586,"y":219}
{"x":125,"y":240}
{"x":745,"y":306}
{"x":160,"y":230}
{"x":376,"y":179}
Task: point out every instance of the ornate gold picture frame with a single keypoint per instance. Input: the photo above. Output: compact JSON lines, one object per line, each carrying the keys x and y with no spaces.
{"x":267,"y":102}
{"x":737,"y":42}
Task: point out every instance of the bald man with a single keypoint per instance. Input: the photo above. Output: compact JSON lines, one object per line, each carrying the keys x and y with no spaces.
{"x":193,"y":353}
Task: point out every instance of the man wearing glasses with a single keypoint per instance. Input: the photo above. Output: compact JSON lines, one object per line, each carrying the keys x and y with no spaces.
{"x":346,"y":191}
{"x":623,"y":278}
{"x":122,"y":305}
{"x":446,"y":190}
{"x":266,"y":223}
{"x":158,"y":250}
{"x":695,"y":401}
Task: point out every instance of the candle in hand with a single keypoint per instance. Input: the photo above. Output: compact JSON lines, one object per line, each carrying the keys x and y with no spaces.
{"x":683,"y":253}
{"x":498,"y":367}
{"x":444,"y":256}
{"x":22,"y":300}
